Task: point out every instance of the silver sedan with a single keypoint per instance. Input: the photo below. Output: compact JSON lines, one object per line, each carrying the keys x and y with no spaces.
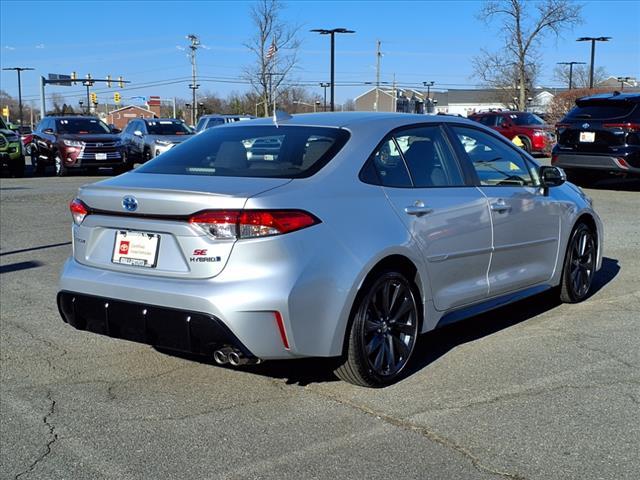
{"x":326,"y":235}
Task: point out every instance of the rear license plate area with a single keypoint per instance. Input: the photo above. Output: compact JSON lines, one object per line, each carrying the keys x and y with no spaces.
{"x":139,"y":249}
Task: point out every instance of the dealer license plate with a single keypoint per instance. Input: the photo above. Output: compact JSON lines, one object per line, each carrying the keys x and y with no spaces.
{"x":136,"y":248}
{"x":588,"y":137}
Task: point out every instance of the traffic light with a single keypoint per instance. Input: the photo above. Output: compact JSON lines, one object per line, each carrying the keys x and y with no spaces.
{"x":109,"y":81}
{"x":94,"y":97}
{"x":74,"y":77}
{"x":116,"y":97}
{"x":120,"y":82}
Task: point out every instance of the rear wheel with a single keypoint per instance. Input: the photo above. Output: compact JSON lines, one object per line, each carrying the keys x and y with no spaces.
{"x":383,"y":332}
{"x":579,"y":265}
{"x":526,"y":144}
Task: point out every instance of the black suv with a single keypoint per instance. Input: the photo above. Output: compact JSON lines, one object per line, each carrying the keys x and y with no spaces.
{"x":70,"y":143}
{"x":600,"y":135}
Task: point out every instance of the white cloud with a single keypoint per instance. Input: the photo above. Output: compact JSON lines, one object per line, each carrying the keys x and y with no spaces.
{"x":9,"y":47}
{"x":40,"y":45}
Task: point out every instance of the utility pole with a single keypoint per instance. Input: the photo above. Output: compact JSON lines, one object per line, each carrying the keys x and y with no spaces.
{"x":19,"y":70}
{"x":378,"y":56}
{"x":395,"y":95}
{"x":195,"y":44}
{"x":571,"y":64}
{"x":593,"y":41}
{"x":332,"y":33}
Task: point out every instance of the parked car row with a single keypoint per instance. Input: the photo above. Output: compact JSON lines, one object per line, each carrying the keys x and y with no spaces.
{"x":79,"y":142}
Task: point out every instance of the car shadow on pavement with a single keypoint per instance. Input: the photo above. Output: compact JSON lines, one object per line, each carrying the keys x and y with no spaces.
{"x":16,"y":267}
{"x":430,"y":347}
{"x":617,"y":184}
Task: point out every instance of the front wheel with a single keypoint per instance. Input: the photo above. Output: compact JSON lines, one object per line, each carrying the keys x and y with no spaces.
{"x":61,"y":169}
{"x":579,"y":265}
{"x":383,"y":332}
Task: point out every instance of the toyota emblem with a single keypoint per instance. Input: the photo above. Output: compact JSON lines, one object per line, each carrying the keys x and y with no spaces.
{"x":130,"y":204}
{"x":585,"y":125}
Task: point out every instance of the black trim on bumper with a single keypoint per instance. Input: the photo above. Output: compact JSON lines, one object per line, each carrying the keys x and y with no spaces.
{"x":593,"y":162}
{"x":192,"y":332}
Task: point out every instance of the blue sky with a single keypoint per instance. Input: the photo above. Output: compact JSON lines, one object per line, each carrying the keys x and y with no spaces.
{"x":421,"y":41}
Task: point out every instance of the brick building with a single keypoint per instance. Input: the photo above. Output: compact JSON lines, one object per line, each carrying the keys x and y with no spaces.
{"x":122,"y":116}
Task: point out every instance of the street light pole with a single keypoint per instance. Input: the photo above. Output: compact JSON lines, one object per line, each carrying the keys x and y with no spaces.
{"x":593,"y":41}
{"x":571,"y":64}
{"x":332,"y":32}
{"x":19,"y":70}
{"x":622,"y":80}
{"x":325,"y":85}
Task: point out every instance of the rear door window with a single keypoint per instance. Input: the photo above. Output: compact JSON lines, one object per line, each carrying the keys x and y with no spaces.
{"x":255,"y":151}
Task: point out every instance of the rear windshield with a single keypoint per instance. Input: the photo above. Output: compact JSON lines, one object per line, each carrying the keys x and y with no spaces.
{"x":252,"y":151}
{"x":600,"y":111}
{"x":81,"y":126}
{"x":167,"y":127}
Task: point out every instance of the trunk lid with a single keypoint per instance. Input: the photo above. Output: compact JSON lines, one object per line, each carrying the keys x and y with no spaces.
{"x":163,"y":206}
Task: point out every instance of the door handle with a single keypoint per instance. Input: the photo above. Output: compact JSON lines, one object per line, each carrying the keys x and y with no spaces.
{"x":418,"y":209}
{"x":500,"y":206}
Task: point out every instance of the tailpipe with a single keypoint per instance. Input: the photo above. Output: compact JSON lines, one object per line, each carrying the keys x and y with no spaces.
{"x":222,"y":356}
{"x":237,"y":358}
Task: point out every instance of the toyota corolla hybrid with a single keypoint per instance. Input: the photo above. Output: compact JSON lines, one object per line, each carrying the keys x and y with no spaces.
{"x":356,"y":234}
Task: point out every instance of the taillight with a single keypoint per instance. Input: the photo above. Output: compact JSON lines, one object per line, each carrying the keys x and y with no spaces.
{"x":78,"y":211}
{"x":631,"y":127}
{"x":231,"y":224}
{"x":554,"y":158}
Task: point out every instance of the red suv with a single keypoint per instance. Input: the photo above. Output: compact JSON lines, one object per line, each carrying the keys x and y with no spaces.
{"x":71,"y":143}
{"x":535,"y":135}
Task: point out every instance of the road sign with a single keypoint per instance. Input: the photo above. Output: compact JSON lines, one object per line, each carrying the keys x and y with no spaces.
{"x":60,"y":79}
{"x":5,"y":112}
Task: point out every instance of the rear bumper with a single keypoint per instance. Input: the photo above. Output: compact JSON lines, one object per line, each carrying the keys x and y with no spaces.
{"x":594,"y":162}
{"x":192,"y":332}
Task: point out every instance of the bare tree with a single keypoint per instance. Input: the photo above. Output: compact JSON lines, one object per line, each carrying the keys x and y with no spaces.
{"x":275,"y":46}
{"x":580,"y":75}
{"x":523,"y":26}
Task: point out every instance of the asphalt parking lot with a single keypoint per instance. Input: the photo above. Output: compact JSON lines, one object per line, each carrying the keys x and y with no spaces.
{"x":537,"y":390}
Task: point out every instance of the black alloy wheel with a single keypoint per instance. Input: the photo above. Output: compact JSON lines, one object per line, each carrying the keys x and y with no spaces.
{"x":383,"y":332}
{"x":579,"y":265}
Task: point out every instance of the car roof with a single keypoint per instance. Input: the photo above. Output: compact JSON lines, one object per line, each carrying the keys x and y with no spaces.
{"x":613,"y":97}
{"x":353,"y":119}
{"x":74,"y":117}
{"x":160,"y":119}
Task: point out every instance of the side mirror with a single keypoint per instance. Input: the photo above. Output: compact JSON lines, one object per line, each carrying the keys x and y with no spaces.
{"x":48,"y":131}
{"x":116,"y":130}
{"x":138,"y":133}
{"x":552,"y":176}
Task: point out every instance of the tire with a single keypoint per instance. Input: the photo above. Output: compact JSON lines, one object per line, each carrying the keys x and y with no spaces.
{"x":579,"y":265}
{"x":124,"y":167}
{"x":526,"y":144}
{"x":146,"y":155}
{"x":60,"y":168}
{"x":36,"y":163}
{"x":382,"y":333}
{"x":16,"y":167}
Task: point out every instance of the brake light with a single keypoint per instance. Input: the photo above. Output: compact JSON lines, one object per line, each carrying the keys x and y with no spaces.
{"x":78,"y":211}
{"x":632,"y":127}
{"x":232,"y":224}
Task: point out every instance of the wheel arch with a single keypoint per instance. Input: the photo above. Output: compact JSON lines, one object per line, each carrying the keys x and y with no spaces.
{"x":397,"y":261}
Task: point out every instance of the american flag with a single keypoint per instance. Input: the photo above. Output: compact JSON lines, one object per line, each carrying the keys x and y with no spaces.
{"x":272,"y":51}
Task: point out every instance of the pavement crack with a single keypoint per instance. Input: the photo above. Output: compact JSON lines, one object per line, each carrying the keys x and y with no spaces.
{"x":424,"y":432}
{"x":53,"y":437}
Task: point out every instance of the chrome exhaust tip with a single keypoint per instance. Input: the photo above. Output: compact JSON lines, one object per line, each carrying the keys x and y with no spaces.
{"x":222,"y":356}
{"x":236,"y":358}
